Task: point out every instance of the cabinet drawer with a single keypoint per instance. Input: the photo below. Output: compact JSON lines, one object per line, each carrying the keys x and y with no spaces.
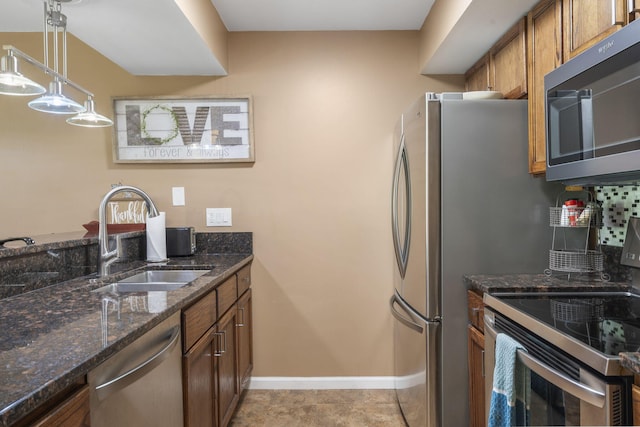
{"x":227,"y":294}
{"x":197,"y":319}
{"x":244,"y":279}
{"x":475,"y":310}
{"x":72,"y":412}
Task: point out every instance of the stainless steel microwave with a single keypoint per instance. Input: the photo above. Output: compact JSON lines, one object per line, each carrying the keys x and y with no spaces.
{"x":593,"y":113}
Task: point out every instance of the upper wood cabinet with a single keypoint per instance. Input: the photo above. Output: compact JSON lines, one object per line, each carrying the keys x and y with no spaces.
{"x":634,"y":10}
{"x":508,"y":63}
{"x":504,"y":67}
{"x":544,"y":45}
{"x":555,"y":31}
{"x":588,"y":22}
{"x":477,"y":77}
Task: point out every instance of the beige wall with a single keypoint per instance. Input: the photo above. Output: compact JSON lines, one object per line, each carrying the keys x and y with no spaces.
{"x":316,"y":199}
{"x":441,"y":19}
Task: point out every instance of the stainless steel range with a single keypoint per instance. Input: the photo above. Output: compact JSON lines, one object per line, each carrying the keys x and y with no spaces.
{"x":572,"y":343}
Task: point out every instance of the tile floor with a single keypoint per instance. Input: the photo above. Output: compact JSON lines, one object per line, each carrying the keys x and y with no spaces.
{"x":318,"y":408}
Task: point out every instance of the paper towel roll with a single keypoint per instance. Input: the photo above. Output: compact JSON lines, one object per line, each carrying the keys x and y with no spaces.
{"x":156,"y":238}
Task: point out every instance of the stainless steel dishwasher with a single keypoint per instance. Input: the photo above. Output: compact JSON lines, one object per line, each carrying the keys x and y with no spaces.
{"x":142,"y":384}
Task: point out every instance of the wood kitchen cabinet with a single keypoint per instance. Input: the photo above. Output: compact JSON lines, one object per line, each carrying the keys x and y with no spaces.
{"x":477,"y":77}
{"x":199,"y":382}
{"x":585,"y":23}
{"x":508,"y":63}
{"x":477,"y":416}
{"x":544,"y":45}
{"x":245,"y":338}
{"x":218,"y":357}
{"x":504,"y":67}
{"x":70,"y":408}
{"x":228,"y":380}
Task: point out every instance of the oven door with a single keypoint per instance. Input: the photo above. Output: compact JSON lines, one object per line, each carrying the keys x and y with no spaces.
{"x":565,"y":394}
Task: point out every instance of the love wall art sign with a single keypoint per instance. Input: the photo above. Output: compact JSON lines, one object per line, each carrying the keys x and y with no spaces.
{"x":192,"y":130}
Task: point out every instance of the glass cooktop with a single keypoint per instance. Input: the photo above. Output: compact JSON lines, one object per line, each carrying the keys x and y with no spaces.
{"x":607,"y":322}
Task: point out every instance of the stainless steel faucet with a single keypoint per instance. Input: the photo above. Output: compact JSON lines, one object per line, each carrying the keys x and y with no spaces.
{"x":105,"y":256}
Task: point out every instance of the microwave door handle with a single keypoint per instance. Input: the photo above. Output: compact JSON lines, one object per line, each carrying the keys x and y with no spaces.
{"x":577,"y":389}
{"x":586,"y":121}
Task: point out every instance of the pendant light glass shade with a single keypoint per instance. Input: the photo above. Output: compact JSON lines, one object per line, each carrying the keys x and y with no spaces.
{"x":55,"y":102}
{"x":90,"y":118}
{"x":14,"y":83}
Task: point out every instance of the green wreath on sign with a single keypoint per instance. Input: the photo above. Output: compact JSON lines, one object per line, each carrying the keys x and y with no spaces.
{"x":174,"y":130}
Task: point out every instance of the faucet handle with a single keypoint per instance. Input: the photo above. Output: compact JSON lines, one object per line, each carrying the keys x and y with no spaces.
{"x":120,"y":252}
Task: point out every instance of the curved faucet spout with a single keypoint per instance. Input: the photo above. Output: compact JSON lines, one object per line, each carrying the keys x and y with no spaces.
{"x":105,"y":256}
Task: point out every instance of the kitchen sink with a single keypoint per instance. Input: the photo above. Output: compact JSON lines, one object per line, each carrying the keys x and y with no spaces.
{"x":154,"y":280}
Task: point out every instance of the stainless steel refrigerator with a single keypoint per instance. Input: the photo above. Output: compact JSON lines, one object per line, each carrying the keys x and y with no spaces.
{"x":462,"y":203}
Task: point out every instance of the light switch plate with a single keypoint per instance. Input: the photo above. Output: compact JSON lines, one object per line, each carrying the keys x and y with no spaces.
{"x":178,"y":196}
{"x":218,"y":217}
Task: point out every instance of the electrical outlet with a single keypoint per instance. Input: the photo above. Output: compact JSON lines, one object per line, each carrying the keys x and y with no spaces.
{"x":178,"y":196}
{"x":218,"y":217}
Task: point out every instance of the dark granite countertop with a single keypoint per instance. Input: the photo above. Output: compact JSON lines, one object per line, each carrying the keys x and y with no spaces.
{"x":538,"y":283}
{"x":631,"y":361}
{"x":55,"y":335}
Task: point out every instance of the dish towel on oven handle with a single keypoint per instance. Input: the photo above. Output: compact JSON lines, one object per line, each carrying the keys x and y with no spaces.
{"x":511,"y":391}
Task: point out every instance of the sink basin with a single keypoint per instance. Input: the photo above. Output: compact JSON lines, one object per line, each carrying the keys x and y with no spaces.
{"x":154,"y":280}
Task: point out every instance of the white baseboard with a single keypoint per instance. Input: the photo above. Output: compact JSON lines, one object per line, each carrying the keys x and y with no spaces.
{"x":320,"y":383}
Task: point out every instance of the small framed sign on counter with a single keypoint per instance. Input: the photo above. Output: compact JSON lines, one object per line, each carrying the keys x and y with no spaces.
{"x":183,"y":130}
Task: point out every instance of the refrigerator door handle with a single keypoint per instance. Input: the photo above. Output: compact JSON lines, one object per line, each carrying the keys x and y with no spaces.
{"x":401,"y":248}
{"x":408,"y":322}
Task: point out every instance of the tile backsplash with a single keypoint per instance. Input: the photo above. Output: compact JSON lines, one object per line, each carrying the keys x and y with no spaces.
{"x":618,"y":203}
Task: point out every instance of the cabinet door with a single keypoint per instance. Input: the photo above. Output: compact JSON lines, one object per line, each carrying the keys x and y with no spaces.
{"x":245,"y":338}
{"x":199,"y":388}
{"x":73,"y":412}
{"x":228,"y":380}
{"x":634,"y":10}
{"x":477,"y":416}
{"x":508,"y":63}
{"x":544,"y":48}
{"x":475,"y":310}
{"x":477,"y":77}
{"x":587,"y":22}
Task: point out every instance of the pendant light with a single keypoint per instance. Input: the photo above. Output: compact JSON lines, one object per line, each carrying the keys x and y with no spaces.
{"x":53,"y":101}
{"x":89,"y":118}
{"x":14,"y":83}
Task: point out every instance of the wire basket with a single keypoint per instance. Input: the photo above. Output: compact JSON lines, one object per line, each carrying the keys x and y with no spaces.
{"x":576,"y":310}
{"x":584,"y":216}
{"x":575,"y":261}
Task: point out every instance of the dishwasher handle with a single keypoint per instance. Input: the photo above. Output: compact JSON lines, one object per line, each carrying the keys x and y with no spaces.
{"x":121,"y":381}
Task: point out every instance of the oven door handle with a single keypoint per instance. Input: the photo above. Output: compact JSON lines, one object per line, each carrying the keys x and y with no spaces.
{"x":577,"y":389}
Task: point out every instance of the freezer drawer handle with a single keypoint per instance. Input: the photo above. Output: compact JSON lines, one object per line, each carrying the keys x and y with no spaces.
{"x":577,"y":389}
{"x":407,"y":322}
{"x":107,"y":388}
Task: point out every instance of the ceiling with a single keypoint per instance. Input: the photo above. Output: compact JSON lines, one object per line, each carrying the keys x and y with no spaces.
{"x":154,"y":37}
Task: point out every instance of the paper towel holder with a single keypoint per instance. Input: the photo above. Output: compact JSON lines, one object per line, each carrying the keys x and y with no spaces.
{"x":105,"y":256}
